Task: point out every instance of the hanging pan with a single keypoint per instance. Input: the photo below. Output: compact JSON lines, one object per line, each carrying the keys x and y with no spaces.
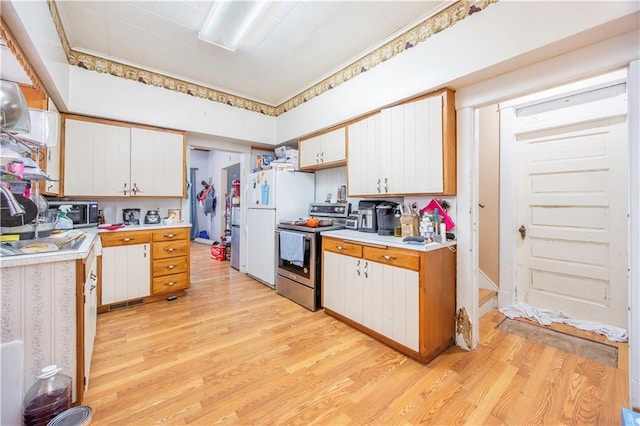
{"x":30,"y":208}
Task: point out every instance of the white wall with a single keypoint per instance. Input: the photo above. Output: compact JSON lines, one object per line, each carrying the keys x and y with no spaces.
{"x":633,"y":88}
{"x":504,"y":37}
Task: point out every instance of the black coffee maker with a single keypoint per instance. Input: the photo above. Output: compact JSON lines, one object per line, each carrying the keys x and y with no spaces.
{"x":385,"y":214}
{"x":367,"y":216}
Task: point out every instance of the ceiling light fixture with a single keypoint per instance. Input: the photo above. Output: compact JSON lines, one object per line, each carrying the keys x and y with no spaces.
{"x":230,"y":21}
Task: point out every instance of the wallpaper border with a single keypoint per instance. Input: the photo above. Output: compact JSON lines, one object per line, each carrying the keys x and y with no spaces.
{"x":433,"y":25}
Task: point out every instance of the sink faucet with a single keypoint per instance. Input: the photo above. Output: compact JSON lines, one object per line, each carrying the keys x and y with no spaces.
{"x":15,"y":209}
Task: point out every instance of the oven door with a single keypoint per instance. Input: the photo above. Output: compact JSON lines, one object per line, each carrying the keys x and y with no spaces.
{"x":305,"y":273}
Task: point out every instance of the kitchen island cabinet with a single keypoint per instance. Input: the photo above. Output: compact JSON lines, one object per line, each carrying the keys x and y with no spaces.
{"x":405,"y":297}
{"x":405,"y":149}
{"x":324,"y":150}
{"x":48,"y":304}
{"x":104,"y":158}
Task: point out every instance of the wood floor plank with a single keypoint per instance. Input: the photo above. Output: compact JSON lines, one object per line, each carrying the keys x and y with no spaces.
{"x":232,"y":351}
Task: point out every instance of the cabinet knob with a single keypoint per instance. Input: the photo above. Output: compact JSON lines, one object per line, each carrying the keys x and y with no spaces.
{"x":340,"y":248}
{"x":170,"y":266}
{"x":387,"y":257}
{"x":169,"y":249}
{"x":170,"y":283}
{"x":126,"y":240}
{"x":169,"y":235}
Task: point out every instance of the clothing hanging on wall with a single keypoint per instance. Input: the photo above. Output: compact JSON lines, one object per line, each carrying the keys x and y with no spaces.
{"x":207,"y":198}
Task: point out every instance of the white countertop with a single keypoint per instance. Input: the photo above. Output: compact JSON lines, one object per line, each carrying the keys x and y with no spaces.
{"x":146,"y":227}
{"x":389,"y":241}
{"x":91,"y":236}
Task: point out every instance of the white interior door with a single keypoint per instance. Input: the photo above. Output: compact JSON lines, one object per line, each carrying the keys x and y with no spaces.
{"x":571,"y":214}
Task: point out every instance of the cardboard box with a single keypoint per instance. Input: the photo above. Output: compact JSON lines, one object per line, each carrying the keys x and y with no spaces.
{"x":410,"y":225}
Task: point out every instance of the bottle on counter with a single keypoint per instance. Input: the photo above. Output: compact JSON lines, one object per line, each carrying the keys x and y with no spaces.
{"x":397,"y":226}
{"x":49,"y":396}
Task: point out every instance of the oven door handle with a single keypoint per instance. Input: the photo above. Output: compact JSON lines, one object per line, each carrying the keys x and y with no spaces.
{"x":296,"y":232}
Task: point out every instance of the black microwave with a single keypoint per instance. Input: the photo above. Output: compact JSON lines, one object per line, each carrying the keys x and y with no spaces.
{"x":82,"y":213}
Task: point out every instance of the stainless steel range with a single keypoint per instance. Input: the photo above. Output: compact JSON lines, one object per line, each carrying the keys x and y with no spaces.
{"x":299,"y":253}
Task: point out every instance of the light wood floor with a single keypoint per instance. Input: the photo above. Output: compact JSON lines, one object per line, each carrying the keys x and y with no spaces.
{"x":233,"y":351}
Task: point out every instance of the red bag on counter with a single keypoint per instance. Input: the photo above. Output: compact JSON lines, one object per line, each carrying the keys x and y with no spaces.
{"x":218,"y":252}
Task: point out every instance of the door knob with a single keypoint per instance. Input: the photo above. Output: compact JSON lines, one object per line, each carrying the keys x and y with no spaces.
{"x":523,"y":231}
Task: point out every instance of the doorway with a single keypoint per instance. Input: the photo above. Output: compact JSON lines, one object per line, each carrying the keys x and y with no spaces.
{"x":564,"y":188}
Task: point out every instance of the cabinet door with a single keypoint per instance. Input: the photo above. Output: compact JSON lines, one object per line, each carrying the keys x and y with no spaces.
{"x":423,"y":164}
{"x":363,"y":168}
{"x":343,"y":284}
{"x":125,"y":273}
{"x":310,"y":152}
{"x":333,"y":146}
{"x":52,"y":167}
{"x":96,"y":159}
{"x":157,"y":163}
{"x":391,"y":303}
{"x":392,"y":155}
{"x":90,"y":317}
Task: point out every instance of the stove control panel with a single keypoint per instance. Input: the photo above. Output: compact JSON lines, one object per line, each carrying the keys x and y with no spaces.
{"x":337,"y":210}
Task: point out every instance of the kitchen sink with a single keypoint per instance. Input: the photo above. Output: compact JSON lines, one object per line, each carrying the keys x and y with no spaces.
{"x":63,"y":242}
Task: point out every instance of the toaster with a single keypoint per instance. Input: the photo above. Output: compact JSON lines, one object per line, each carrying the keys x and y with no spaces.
{"x":351,"y":222}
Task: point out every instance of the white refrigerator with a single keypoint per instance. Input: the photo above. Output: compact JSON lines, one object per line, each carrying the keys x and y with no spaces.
{"x":273,"y":195}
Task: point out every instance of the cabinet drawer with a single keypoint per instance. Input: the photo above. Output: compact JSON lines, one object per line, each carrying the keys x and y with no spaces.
{"x":170,"y":283}
{"x":171,"y":234}
{"x":343,"y":247}
{"x":400,"y":258}
{"x":125,"y":238}
{"x":173,"y":265}
{"x":170,"y":249}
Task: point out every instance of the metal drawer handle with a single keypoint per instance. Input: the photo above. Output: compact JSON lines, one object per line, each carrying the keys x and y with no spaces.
{"x":92,"y":288}
{"x":169,"y":249}
{"x":171,"y":283}
{"x":366,"y":271}
{"x":169,"y":235}
{"x":340,"y":248}
{"x":170,"y":266}
{"x":387,"y":257}
{"x":93,"y":276}
{"x":126,"y":240}
{"x":358,"y":268}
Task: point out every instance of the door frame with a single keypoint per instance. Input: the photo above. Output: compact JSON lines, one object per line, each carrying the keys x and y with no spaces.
{"x":507,"y":294}
{"x":611,"y":54}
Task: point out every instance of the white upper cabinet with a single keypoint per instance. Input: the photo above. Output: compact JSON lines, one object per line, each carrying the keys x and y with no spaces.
{"x":323,"y":151}
{"x":96,"y":159}
{"x":405,"y":149}
{"x":157,"y":166}
{"x":114,"y":160}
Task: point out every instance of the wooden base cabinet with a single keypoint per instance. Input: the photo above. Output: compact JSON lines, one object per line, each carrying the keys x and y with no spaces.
{"x":143,"y":266}
{"x":405,"y":298}
{"x":170,"y":261}
{"x":126,"y":263}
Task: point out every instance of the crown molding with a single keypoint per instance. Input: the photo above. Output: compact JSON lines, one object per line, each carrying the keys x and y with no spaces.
{"x":419,"y":33}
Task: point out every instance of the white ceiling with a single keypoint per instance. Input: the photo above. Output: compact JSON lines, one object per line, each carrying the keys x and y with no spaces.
{"x":294,"y":45}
